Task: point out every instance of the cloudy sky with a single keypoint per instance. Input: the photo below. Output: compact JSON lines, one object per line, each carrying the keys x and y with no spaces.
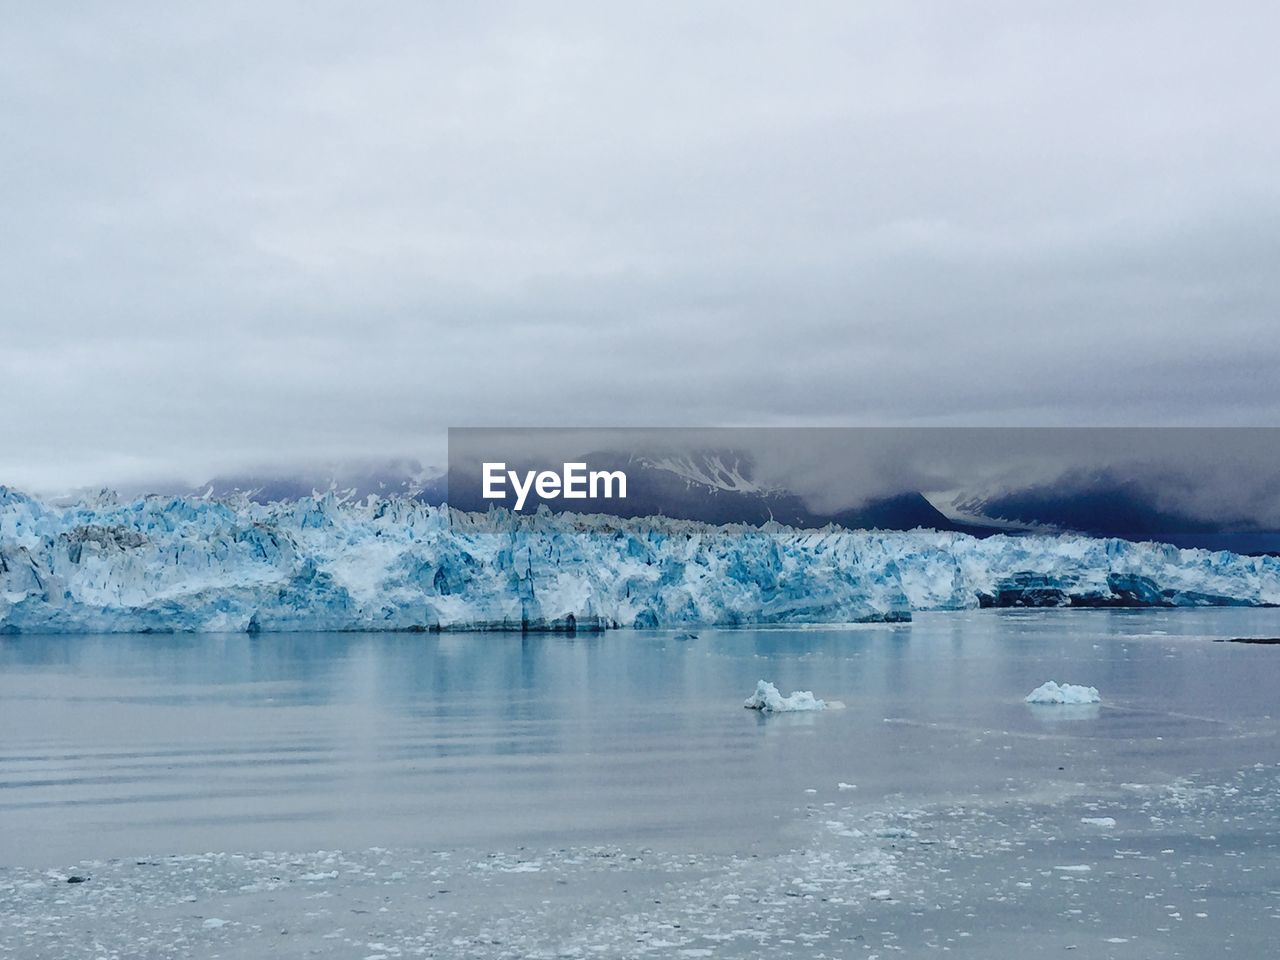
{"x":332,"y":230}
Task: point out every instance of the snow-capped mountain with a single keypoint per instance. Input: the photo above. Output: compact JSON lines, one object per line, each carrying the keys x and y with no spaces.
{"x":351,"y":479}
{"x":722,"y":486}
{"x":726,"y":471}
{"x":325,"y":563}
{"x":1100,"y":505}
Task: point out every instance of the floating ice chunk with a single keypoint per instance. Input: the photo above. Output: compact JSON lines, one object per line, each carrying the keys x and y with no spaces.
{"x":840,"y":829}
{"x":841,"y":785}
{"x":213,"y":923}
{"x":1067,"y":693}
{"x":1075,"y":868}
{"x":1099,"y":821}
{"x":768,"y":700}
{"x":881,"y":895}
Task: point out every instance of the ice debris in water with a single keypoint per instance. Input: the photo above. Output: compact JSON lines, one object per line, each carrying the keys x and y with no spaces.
{"x":769,"y":700}
{"x":1067,"y":693}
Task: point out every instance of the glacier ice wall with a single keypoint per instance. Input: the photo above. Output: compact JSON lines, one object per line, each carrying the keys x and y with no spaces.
{"x":193,"y":564}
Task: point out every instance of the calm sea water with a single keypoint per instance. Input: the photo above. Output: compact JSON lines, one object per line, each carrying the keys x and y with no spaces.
{"x":178,"y":746}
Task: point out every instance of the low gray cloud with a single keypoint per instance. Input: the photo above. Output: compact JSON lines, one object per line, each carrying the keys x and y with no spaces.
{"x":244,"y":235}
{"x":1226,"y":476}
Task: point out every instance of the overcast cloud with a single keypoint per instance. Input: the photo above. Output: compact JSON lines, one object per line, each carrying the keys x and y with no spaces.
{"x":238,"y":235}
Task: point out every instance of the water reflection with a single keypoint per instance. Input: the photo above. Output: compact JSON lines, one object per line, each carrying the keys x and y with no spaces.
{"x":128,"y":745}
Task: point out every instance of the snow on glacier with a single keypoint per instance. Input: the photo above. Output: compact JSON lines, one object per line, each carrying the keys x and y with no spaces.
{"x":768,"y":699}
{"x":1067,"y":693}
{"x":324,"y":563}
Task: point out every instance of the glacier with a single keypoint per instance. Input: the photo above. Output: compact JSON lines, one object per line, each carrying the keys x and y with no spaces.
{"x":329,"y":563}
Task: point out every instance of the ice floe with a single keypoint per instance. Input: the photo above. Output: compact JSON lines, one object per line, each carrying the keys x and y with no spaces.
{"x":767,"y":699}
{"x":1067,"y":693}
{"x":1099,"y":821}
